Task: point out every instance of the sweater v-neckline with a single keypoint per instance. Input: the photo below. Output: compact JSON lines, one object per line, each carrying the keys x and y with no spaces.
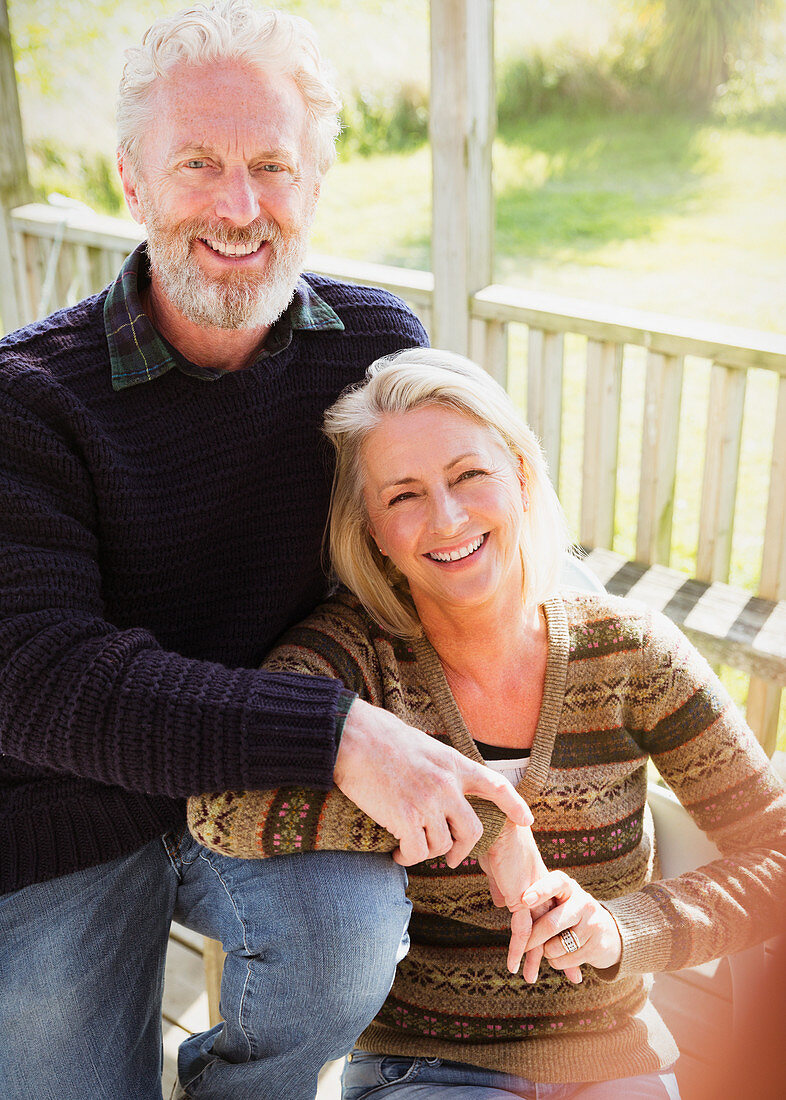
{"x":550,"y":709}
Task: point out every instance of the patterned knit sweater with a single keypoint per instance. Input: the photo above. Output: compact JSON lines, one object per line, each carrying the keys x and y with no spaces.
{"x":623,"y":686}
{"x":154,"y":543}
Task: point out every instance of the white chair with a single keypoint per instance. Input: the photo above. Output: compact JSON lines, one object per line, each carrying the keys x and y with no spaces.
{"x":682,"y":846}
{"x":575,"y":573}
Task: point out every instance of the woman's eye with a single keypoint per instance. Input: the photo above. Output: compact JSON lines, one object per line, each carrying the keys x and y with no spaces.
{"x":399,"y":497}
{"x":467,"y":474}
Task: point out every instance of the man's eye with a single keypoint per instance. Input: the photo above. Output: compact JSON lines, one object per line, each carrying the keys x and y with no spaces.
{"x":196,"y":163}
{"x":272,"y":168}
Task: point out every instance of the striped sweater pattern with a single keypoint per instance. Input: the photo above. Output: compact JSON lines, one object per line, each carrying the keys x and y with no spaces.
{"x":623,"y":687}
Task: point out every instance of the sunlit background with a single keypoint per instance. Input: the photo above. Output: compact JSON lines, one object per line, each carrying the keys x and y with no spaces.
{"x":640,"y":158}
{"x":640,"y":161}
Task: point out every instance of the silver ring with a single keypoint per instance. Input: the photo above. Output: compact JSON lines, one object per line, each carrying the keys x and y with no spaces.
{"x":569,"y":941}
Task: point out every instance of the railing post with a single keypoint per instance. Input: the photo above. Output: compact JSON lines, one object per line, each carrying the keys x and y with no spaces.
{"x":10,"y":309}
{"x":601,"y":440}
{"x":721,"y":468}
{"x":764,"y":698}
{"x":462,"y":121}
{"x":546,"y":353}
{"x":14,"y":183}
{"x":659,"y":449}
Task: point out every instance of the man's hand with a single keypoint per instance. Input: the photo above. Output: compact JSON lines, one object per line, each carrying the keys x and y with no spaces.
{"x":417,"y":788}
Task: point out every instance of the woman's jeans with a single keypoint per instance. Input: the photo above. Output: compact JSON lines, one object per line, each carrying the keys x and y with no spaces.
{"x":392,"y":1078}
{"x":312,"y":944}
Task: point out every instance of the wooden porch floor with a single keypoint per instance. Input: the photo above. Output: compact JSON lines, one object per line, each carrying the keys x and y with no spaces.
{"x":696,"y":1004}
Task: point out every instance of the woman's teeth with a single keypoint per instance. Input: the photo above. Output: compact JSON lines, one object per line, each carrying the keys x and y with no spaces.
{"x":464,"y":552}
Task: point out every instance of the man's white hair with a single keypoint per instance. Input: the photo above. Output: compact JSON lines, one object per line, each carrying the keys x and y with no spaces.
{"x":229,"y":30}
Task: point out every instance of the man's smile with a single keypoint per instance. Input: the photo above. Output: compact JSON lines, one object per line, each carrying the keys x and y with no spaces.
{"x":238,"y":249}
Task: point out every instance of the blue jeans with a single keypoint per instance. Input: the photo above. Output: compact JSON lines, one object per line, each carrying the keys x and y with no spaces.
{"x":395,"y":1078}
{"x":312,"y":944}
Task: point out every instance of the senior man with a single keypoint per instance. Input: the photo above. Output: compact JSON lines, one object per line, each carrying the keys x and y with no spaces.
{"x":163,"y":491}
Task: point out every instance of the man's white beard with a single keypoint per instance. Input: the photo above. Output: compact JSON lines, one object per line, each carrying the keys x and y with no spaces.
{"x":243,"y":298}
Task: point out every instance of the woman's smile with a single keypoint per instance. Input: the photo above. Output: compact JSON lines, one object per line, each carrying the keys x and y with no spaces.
{"x":445,"y":503}
{"x":460,"y":553}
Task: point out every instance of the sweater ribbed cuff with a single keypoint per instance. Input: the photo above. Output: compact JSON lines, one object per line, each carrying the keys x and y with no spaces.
{"x":492,"y":819}
{"x":345,"y":701}
{"x":646,"y":938}
{"x":290,"y":727}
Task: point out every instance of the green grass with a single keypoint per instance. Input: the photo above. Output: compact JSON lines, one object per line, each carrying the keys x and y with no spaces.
{"x":569,"y":186}
{"x":655,"y":212}
{"x":377,"y":208}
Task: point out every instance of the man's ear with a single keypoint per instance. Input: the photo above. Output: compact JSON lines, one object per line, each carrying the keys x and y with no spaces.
{"x":128,"y":178}
{"x":312,"y":206}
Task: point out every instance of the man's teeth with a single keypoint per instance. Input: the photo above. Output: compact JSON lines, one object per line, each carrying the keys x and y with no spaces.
{"x":464,"y":552}
{"x":233,"y":249}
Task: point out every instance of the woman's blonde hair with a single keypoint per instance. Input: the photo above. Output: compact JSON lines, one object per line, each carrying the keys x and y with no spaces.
{"x":229,"y":30}
{"x":400,"y":383}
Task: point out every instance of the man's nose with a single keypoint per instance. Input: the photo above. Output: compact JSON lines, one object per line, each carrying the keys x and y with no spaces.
{"x":237,"y":201}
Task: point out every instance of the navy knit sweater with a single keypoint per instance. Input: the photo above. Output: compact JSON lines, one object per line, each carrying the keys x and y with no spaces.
{"x":154,"y":543}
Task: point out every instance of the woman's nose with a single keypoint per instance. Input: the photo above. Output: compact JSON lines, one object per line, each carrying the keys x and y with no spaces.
{"x":448,"y":514}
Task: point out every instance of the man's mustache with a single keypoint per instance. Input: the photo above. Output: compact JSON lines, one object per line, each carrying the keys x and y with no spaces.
{"x":259,"y":230}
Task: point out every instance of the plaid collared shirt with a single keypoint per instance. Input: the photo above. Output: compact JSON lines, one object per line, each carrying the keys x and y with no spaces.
{"x":138,"y":353}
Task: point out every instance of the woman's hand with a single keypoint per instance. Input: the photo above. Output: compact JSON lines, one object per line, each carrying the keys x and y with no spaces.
{"x":512,"y":864}
{"x":571,"y":909}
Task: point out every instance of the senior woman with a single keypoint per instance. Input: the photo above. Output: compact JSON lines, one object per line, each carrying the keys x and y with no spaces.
{"x":449,"y":541}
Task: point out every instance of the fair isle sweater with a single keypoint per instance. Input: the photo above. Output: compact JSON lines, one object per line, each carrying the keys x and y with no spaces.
{"x":623,"y":686}
{"x":154,"y":542}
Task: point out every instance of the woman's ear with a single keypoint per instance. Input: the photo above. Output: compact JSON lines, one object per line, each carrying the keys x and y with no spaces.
{"x":523,"y":476}
{"x":373,"y":535}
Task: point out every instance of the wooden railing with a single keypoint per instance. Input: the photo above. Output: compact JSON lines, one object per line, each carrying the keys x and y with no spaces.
{"x":645,"y":419}
{"x":663,"y":355}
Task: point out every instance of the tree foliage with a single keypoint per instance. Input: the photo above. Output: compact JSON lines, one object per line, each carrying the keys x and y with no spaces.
{"x":694,"y":44}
